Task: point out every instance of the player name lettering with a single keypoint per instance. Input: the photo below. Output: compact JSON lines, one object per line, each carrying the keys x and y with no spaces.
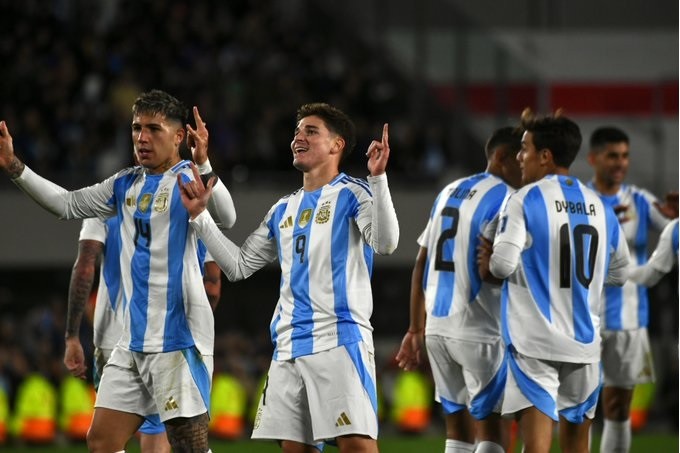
{"x":575,"y":207}
{"x":463,"y":193}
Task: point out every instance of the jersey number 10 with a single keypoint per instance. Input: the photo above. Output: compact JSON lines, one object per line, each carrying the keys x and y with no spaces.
{"x":584,"y":236}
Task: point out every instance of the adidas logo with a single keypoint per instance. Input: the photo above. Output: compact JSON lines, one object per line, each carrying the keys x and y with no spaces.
{"x":171,"y":404}
{"x":343,"y":420}
{"x":287,"y":223}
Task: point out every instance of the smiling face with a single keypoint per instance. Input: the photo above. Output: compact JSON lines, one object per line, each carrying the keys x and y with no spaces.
{"x":314,"y":145}
{"x":156,"y":141}
{"x":610,"y":163}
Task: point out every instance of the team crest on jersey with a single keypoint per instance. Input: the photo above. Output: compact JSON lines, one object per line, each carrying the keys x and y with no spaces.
{"x":160,"y":204}
{"x":324,"y":213}
{"x":305,"y":217}
{"x":144,"y":202}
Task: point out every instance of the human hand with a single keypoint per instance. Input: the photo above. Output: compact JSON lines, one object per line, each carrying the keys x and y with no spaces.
{"x":197,"y":139}
{"x":8,"y":161}
{"x":620,"y":211}
{"x":195,"y":194}
{"x":74,"y":359}
{"x":669,"y":207}
{"x":378,"y":153}
{"x":484,"y":251}
{"x":409,"y":355}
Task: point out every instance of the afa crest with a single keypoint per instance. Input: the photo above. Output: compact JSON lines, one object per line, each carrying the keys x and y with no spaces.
{"x":144,"y":202}
{"x":305,"y":217}
{"x":323,"y":215}
{"x":160,"y":204}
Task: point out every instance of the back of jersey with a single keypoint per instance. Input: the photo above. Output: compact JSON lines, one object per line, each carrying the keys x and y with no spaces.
{"x":458,"y":303}
{"x":551,"y":303}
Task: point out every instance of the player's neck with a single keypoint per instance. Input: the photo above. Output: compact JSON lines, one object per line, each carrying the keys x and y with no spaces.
{"x":606,"y":188}
{"x":317,"y":178}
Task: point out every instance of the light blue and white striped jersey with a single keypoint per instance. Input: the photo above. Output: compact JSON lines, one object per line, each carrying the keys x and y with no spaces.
{"x":109,"y":309}
{"x":166,"y":305}
{"x":325,"y":293}
{"x":458,"y":303}
{"x":324,"y":241}
{"x":570,"y":241}
{"x":627,"y":307}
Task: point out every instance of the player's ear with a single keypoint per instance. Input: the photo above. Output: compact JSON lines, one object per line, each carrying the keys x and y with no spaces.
{"x":547,"y":156}
{"x":180,"y":135}
{"x":338,"y":145}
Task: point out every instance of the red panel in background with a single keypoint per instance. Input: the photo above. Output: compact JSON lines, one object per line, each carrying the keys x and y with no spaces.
{"x":590,"y":99}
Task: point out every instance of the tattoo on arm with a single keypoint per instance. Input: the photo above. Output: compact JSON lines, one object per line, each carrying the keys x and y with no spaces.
{"x":16,"y":167}
{"x":80,"y":286}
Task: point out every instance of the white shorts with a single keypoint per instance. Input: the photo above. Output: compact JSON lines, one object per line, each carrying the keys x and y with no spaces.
{"x":468,"y":374}
{"x":627,"y":358}
{"x":568,"y":389}
{"x":319,"y":397}
{"x":170,"y":384}
{"x":152,"y":423}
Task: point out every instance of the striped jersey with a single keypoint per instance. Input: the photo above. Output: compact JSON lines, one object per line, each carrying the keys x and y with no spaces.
{"x":166,"y":307}
{"x":109,"y":308}
{"x":457,"y":302}
{"x":569,"y":241}
{"x":627,"y":307}
{"x":324,"y":241}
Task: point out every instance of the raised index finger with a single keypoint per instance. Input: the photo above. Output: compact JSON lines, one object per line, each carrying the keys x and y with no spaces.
{"x":386,"y":135}
{"x":197,"y":117}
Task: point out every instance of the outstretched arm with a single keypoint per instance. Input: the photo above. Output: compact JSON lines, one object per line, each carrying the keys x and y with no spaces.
{"x":236,"y":262}
{"x":80,"y":287}
{"x":410,"y":353}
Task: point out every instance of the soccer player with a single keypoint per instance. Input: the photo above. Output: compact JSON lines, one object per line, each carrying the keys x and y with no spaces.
{"x":455,"y":311}
{"x":99,"y":242}
{"x":664,"y":257}
{"x":164,"y":357}
{"x":626,"y":352}
{"x":321,"y":382}
{"x":557,"y":245}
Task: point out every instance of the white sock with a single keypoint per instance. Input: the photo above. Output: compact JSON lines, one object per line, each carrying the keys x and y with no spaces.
{"x":457,"y":446}
{"x":486,"y":446}
{"x":616,"y":437}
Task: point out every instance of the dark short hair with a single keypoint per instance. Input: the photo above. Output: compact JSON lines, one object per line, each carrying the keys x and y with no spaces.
{"x":159,"y":102}
{"x":607,"y":134}
{"x":510,"y":137}
{"x":335,"y":120}
{"x":557,"y":133}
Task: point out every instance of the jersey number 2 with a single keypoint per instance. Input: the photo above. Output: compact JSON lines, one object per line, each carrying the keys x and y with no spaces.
{"x":440,"y":264}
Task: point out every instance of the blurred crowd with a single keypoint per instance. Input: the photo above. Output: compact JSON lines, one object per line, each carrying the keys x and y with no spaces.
{"x":74,"y":68}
